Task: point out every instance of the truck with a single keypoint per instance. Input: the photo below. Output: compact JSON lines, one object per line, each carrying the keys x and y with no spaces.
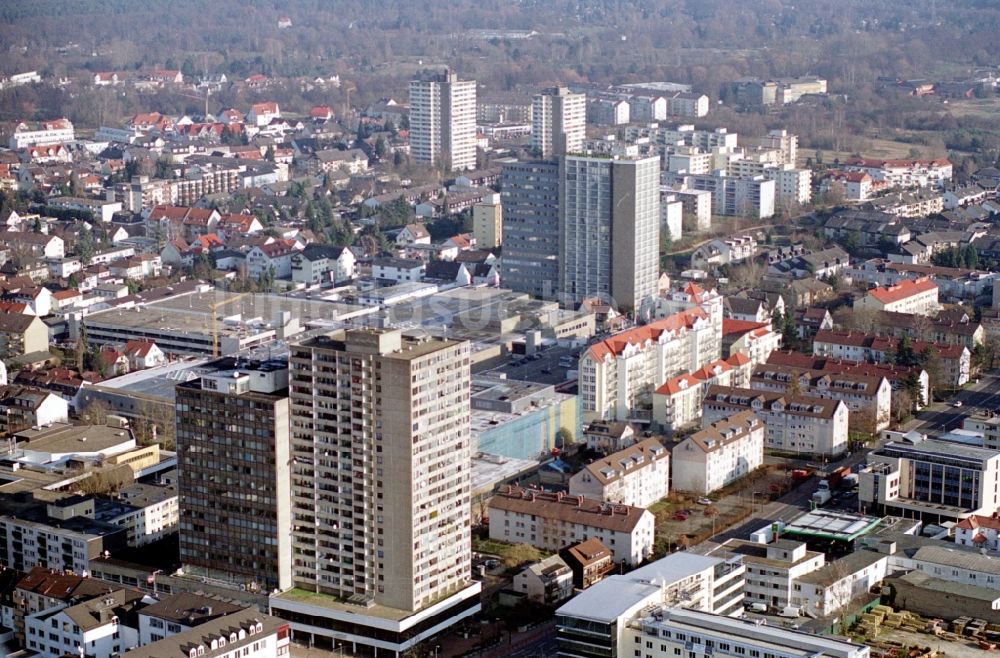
{"x":836,"y":476}
{"x":822,"y":495}
{"x":849,"y":482}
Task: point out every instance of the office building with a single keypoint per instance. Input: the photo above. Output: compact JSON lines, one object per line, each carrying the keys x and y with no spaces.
{"x":665,"y":631}
{"x":596,"y":622}
{"x":233,"y":462}
{"x":772,"y":568}
{"x":609,"y":211}
{"x":558,"y":122}
{"x":380,"y":488}
{"x":530,"y":200}
{"x":443,"y":121}
{"x":912,"y":475}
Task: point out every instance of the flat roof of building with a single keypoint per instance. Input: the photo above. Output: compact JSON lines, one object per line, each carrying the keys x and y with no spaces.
{"x":825,"y":524}
{"x":65,"y":438}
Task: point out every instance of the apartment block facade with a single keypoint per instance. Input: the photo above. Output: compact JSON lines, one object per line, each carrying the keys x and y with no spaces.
{"x":558,"y":122}
{"x":638,"y":476}
{"x":443,"y":121}
{"x":609,"y":229}
{"x":530,"y":208}
{"x":719,"y":454}
{"x":799,"y":424}
{"x":233,"y":458}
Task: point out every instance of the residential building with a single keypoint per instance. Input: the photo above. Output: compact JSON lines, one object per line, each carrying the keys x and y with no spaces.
{"x":530,"y":209}
{"x":443,"y":121}
{"x":55,"y":131}
{"x":551,"y":521}
{"x":719,"y":454}
{"x":596,"y":622}
{"x":547,"y":582}
{"x":102,"y":627}
{"x":868,"y":396}
{"x":590,"y":561}
{"x":247,"y":633}
{"x":724,"y":251}
{"x":317,"y":264}
{"x":30,"y":540}
{"x":179,"y":612}
{"x":235,"y":516}
{"x":773,"y":568}
{"x":919,"y":296}
{"x":609,"y":223}
{"x":398,"y":270}
{"x":487,"y":225}
{"x":799,"y":424}
{"x":619,"y":374}
{"x":637,"y":476}
{"x":274,"y":258}
{"x":608,"y":436}
{"x":677,"y":402}
{"x":380,"y":449}
{"x":754,"y":340}
{"x":22,"y":334}
{"x":22,"y":407}
{"x":937,"y":480}
{"x":829,"y":589}
{"x":731,"y":196}
{"x":608,"y":111}
{"x":903,"y":173}
{"x":979,"y":532}
{"x":558,"y":122}
{"x":956,"y":360}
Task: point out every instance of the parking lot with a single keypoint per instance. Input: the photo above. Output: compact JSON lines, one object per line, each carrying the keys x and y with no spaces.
{"x":542,"y":366}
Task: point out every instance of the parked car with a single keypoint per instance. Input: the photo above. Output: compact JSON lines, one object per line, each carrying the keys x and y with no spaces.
{"x":704,"y":501}
{"x":680,"y":516}
{"x":956,"y":403}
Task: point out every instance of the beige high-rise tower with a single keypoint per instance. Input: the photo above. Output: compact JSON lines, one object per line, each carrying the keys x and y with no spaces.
{"x":443,"y":121}
{"x":381,"y":468}
{"x":558,"y":122}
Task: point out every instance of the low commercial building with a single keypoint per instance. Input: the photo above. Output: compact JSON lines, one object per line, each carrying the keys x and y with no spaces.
{"x":520,"y":419}
{"x":799,"y":424}
{"x":552,"y":521}
{"x":669,"y":632}
{"x":598,"y":622}
{"x":720,"y":454}
{"x":936,"y":480}
{"x":638,"y":476}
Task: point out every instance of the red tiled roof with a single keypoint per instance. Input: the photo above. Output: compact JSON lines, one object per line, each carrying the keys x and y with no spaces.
{"x":650,"y":332}
{"x":139,"y":348}
{"x":978,"y":521}
{"x":903,"y":290}
{"x":678,"y":384}
{"x":731,"y":327}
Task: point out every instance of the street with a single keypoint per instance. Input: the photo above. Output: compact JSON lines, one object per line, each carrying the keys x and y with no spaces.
{"x":940,"y":417}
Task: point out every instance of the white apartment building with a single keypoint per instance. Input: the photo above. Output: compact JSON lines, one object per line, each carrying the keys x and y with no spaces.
{"x":737,"y":197}
{"x":670,"y":632}
{"x":92,"y":628}
{"x":865,"y":395}
{"x":70,"y":545}
{"x":773,"y":568}
{"x":638,"y":476}
{"x":784,"y":142}
{"x":443,"y":121}
{"x":688,"y":104}
{"x":799,"y":424}
{"x":917,"y":296}
{"x":552,"y":521}
{"x":792,"y":186}
{"x":753,"y":340}
{"x":558,"y":122}
{"x":245,"y":634}
{"x":56,"y":131}
{"x":830,"y":588}
{"x":180,"y":612}
{"x":719,"y":454}
{"x":937,"y":480}
{"x":724,"y":251}
{"x":596,"y":622}
{"x":903,"y":173}
{"x":677,"y":402}
{"x":322,"y":263}
{"x":619,"y":374}
{"x":547,"y":582}
{"x":380,"y":442}
{"x":689,"y":160}
{"x":671,"y":214}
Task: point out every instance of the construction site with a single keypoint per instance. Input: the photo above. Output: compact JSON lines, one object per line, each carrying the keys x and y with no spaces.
{"x":904,"y":634}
